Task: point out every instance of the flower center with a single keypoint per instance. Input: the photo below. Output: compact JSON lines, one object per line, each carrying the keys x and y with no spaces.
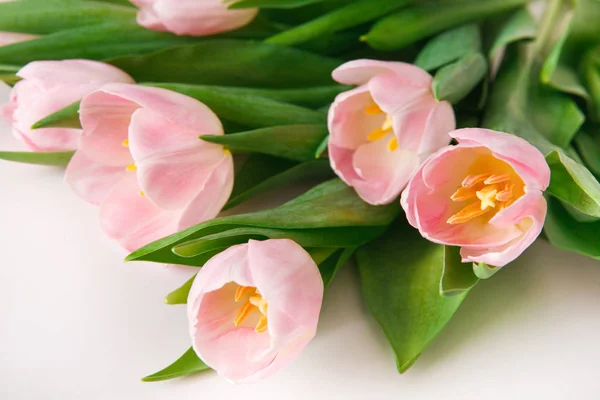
{"x":254,"y":301}
{"x":385,"y":129}
{"x":491,"y":192}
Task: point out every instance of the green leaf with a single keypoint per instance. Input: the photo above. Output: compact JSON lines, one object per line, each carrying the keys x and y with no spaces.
{"x":589,"y":149}
{"x":187,"y":364}
{"x":457,"y":277}
{"x":484,"y":271}
{"x":520,"y":26}
{"x":400,"y":274}
{"x":255,"y":169}
{"x":272,"y":3}
{"x":453,"y":82}
{"x":327,"y":211}
{"x":566,"y":233}
{"x":256,"y":65}
{"x":574,"y":184}
{"x":449,"y":47}
{"x":310,"y":170}
{"x":330,"y":267}
{"x":68,"y":117}
{"x":417,"y":22}
{"x":180,"y":295}
{"x":556,"y":115}
{"x":295,"y":142}
{"x":353,"y":14}
{"x":57,"y":159}
{"x":322,"y":147}
{"x":48,"y":16}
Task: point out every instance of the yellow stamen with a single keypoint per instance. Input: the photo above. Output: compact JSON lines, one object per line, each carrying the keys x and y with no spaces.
{"x":262,"y":325}
{"x":463,"y":194}
{"x":506,"y":194}
{"x":487,"y":196}
{"x":466,"y":214}
{"x":377,"y":134}
{"x":373,"y":109}
{"x":388,"y":124}
{"x":242,"y":291}
{"x":259,"y":303}
{"x":227,"y":152}
{"x":142,"y":193}
{"x":473,"y":180}
{"x":125,"y":143}
{"x":393,"y":144}
{"x":241,"y":316}
{"x":493,"y":179}
{"x":131,"y":168}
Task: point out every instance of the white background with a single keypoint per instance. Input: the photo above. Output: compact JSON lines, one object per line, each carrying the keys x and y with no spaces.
{"x":76,"y":323}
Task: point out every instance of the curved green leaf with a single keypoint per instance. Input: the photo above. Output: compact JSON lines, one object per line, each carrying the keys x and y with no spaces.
{"x":68,"y":117}
{"x":449,"y":46}
{"x":329,"y":205}
{"x":453,"y":82}
{"x":457,"y":277}
{"x":57,"y":159}
{"x":355,"y":13}
{"x":180,"y":295}
{"x":210,"y":62}
{"x":48,"y":16}
{"x":400,"y":274}
{"x":272,"y":3}
{"x":520,"y":26}
{"x":187,"y":364}
{"x":295,"y":142}
{"x":420,"y":21}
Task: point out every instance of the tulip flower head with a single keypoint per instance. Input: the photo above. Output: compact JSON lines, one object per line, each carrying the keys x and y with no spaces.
{"x":381,"y":131}
{"x":253,"y":308}
{"x":484,"y":195}
{"x":192,"y":17}
{"x":141,"y":160}
{"x":49,"y":86}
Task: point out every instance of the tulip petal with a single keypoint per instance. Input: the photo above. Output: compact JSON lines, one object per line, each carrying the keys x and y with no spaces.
{"x":341,"y":162}
{"x":212,"y":196}
{"x":172,"y":167}
{"x":395,"y":95}
{"x":130,"y":218}
{"x":105,"y":120}
{"x":527,"y":161}
{"x":358,"y":72}
{"x":90,"y":180}
{"x":7,"y":38}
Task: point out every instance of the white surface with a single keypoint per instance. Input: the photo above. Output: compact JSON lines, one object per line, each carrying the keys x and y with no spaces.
{"x":77,"y":323}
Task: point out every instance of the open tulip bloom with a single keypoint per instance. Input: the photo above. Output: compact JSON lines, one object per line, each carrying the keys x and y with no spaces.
{"x":426,"y":210}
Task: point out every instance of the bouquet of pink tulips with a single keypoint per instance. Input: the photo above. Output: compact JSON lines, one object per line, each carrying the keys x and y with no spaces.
{"x":438,"y":138}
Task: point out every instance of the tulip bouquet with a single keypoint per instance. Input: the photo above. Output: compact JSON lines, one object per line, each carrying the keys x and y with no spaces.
{"x":438,"y":139}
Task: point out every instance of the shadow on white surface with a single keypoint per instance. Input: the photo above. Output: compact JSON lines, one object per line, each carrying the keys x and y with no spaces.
{"x":79,"y":324}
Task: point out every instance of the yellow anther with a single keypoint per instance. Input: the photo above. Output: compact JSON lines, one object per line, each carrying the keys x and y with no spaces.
{"x":487,"y":195}
{"x":393,"y":144}
{"x":241,"y":316}
{"x":377,"y":134}
{"x":260,"y":303}
{"x":373,"y":109}
{"x":227,"y":152}
{"x":466,"y":214}
{"x":242,"y":291}
{"x":463,"y":194}
{"x":261,"y":326}
{"x":125,"y":143}
{"x":131,"y":168}
{"x":142,"y":193}
{"x":388,"y":124}
{"x":493,"y":179}
{"x":472,"y":180}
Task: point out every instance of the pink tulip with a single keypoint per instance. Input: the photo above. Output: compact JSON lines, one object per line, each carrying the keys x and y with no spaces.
{"x":192,"y":17}
{"x":484,"y":195}
{"x":141,"y":160}
{"x":254,"y":307}
{"x":7,"y":38}
{"x":47,"y":87}
{"x":381,"y":131}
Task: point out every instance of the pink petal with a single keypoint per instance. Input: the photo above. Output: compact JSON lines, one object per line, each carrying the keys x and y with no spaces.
{"x":358,"y":72}
{"x":212,"y":196}
{"x":130,"y":218}
{"x":383,"y":173}
{"x":440,"y":123}
{"x":527,"y":161}
{"x":395,"y":94}
{"x":90,"y":180}
{"x":349,"y":124}
{"x":340,"y":160}
{"x":105,"y":120}
{"x":200,"y":18}
{"x":528,"y":213}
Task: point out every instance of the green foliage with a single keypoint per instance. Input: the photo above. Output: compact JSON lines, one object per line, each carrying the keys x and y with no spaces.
{"x":56,"y":159}
{"x":187,"y":364}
